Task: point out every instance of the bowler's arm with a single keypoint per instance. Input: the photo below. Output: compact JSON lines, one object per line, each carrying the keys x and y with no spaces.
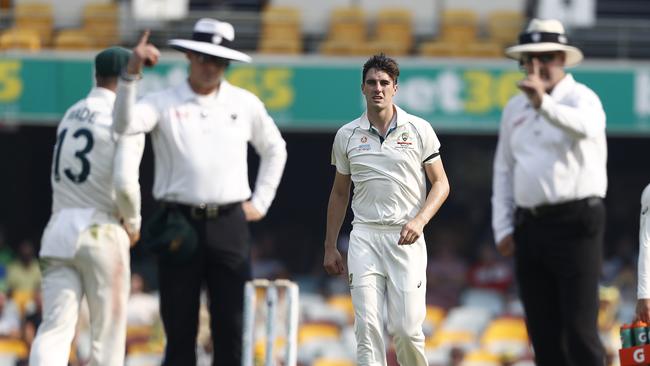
{"x":437,"y":195}
{"x":336,"y":210}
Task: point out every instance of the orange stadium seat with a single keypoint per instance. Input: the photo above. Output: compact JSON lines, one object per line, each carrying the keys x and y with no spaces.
{"x":394,"y":31}
{"x":503,"y":26}
{"x":347,"y":32}
{"x":35,"y":16}
{"x":281,"y":30}
{"x":101,"y":22}
{"x":317,"y":331}
{"x":25,"y":39}
{"x":332,"y":362}
{"x":460,"y":25}
{"x":73,"y":39}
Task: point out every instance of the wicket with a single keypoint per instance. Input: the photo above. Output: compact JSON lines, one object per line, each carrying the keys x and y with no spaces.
{"x":272,"y":297}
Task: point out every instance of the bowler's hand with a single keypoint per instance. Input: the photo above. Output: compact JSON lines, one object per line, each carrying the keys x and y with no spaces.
{"x":643,"y":310}
{"x":251,"y":213}
{"x":134,"y":236}
{"x":533,"y":86}
{"x":506,"y":246}
{"x":333,"y":262}
{"x":411,"y":231}
{"x":143,"y":54}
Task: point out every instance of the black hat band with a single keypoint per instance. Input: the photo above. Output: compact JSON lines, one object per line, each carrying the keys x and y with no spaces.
{"x":542,"y":37}
{"x":208,"y":37}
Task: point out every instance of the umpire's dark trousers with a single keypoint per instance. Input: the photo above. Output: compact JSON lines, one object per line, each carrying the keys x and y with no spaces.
{"x":558,"y":255}
{"x":221,"y":263}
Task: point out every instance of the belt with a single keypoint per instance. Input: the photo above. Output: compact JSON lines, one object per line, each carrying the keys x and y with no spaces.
{"x":551,"y":209}
{"x":204,"y":211}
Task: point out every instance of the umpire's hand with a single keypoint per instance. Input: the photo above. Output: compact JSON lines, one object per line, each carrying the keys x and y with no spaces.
{"x":144,"y":54}
{"x":643,"y":310}
{"x":506,"y":246}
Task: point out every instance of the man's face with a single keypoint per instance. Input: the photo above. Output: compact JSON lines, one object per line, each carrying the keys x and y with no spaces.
{"x":379,"y":89}
{"x":206,"y":70}
{"x":551,"y":66}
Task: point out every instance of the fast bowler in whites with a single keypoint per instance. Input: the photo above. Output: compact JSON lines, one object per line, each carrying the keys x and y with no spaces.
{"x":388,"y":154}
{"x":95,"y":218}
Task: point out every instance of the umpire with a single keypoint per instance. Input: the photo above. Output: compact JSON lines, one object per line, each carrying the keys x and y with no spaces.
{"x":200,"y":131}
{"x":549,"y":183}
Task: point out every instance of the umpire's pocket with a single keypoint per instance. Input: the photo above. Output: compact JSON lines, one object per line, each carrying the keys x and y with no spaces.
{"x":169,"y":234}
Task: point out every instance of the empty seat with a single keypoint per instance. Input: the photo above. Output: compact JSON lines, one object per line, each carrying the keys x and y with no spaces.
{"x":25,"y":39}
{"x":281,"y":30}
{"x":35,"y":16}
{"x":503,"y":26}
{"x":460,"y":25}
{"x":394,"y":30}
{"x":101,"y":22}
{"x":73,"y":39}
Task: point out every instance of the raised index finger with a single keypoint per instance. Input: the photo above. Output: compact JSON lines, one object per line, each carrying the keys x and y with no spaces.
{"x":535,"y":66}
{"x":144,"y":38}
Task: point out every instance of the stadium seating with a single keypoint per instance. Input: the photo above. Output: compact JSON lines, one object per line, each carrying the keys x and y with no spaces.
{"x":393,"y":31}
{"x":281,"y":31}
{"x":73,"y":39}
{"x":35,"y":16}
{"x":347,"y":32}
{"x":101,"y":22}
{"x":503,"y":26}
{"x":24,"y":39}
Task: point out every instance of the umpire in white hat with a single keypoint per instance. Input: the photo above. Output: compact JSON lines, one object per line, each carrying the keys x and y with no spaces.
{"x":550,"y":179}
{"x":200,"y":131}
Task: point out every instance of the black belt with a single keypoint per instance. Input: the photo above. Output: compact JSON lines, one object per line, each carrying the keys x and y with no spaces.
{"x":553,"y":209}
{"x":204,"y":211}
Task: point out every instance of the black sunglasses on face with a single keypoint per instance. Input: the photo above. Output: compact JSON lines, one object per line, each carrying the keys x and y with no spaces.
{"x":204,"y":59}
{"x":541,"y":57}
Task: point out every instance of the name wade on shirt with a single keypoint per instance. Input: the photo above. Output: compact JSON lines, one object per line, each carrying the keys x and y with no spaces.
{"x":83,"y":115}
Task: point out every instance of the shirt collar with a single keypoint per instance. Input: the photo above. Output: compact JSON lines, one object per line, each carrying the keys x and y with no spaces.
{"x":563,"y":87}
{"x":186,"y":93}
{"x":399,"y":118}
{"x":102,"y":93}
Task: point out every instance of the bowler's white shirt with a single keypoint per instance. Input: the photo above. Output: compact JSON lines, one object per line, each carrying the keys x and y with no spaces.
{"x":643,"y":289}
{"x":93,"y":167}
{"x":553,"y":155}
{"x":389,"y":178}
{"x":201,"y":143}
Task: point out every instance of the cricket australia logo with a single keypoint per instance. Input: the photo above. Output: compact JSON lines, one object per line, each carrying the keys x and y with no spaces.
{"x":403,"y":140}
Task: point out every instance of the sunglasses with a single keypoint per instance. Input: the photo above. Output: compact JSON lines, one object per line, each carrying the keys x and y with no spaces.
{"x":541,"y":57}
{"x":205,"y":59}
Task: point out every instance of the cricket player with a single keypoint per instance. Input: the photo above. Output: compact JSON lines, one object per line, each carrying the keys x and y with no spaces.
{"x":95,"y":218}
{"x":388,"y":154}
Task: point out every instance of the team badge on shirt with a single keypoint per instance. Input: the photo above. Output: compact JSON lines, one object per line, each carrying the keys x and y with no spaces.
{"x":404,"y":141}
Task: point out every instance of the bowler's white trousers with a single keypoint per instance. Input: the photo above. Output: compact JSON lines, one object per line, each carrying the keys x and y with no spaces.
{"x":100,"y":270}
{"x":380,"y":270}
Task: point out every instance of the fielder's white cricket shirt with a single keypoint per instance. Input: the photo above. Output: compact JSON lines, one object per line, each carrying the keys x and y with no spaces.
{"x":553,"y":155}
{"x":388,"y":175}
{"x":643,"y":286}
{"x":201,"y":143}
{"x":91,"y":162}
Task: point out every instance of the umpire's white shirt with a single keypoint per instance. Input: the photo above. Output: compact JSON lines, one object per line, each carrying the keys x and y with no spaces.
{"x":200,"y":143}
{"x":555,"y":154}
{"x":389,"y":178}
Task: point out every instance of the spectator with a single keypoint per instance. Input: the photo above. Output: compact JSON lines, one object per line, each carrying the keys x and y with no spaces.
{"x":9,"y":318}
{"x":23,"y":273}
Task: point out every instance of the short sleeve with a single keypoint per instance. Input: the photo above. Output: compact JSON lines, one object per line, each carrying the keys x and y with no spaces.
{"x":430,"y":144}
{"x":340,"y":154}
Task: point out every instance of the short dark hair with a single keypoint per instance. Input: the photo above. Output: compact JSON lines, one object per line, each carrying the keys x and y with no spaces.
{"x":383,"y":63}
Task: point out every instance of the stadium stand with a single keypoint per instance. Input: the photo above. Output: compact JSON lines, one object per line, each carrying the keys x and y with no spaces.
{"x":24,"y":39}
{"x":281,"y":30}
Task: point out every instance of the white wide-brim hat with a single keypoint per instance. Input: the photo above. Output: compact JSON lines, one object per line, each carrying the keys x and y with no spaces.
{"x":210,"y":37}
{"x":545,"y":36}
